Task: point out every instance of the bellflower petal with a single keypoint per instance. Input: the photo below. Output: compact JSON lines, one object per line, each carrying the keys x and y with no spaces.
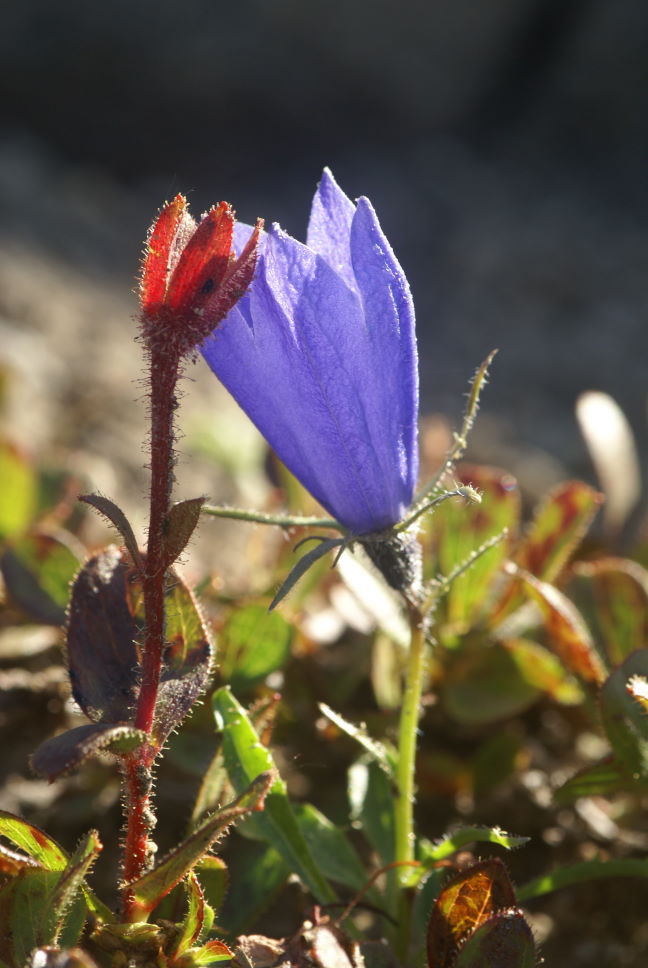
{"x":321,"y":355}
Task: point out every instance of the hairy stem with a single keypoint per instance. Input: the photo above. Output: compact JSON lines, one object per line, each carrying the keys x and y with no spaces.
{"x":164,"y":368}
{"x":407,"y":735}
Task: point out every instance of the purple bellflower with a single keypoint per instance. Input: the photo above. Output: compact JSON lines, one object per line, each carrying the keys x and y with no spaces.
{"x":321,"y":355}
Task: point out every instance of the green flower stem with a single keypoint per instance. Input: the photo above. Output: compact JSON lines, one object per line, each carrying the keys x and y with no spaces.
{"x":262,"y":517}
{"x":407,"y":735}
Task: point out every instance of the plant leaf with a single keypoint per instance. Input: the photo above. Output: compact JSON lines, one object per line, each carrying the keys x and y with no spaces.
{"x":625,"y":721}
{"x":114,"y":514}
{"x":34,"y":841}
{"x":469,"y":898}
{"x":102,"y":658}
{"x":179,"y":526}
{"x":333,"y":853}
{"x":376,"y":750}
{"x":302,"y":566}
{"x":613,"y":595}
{"x":504,"y":940}
{"x":18,"y":497}
{"x":566,"y":629}
{"x":606,"y":777}
{"x":68,"y":887}
{"x":194,"y":919}
{"x":149,"y":889}
{"x":64,"y":752}
{"x":451,"y":843}
{"x":245,"y":758}
{"x":458,"y":529}
{"x":371,"y":797}
{"x":252,"y":644}
{"x":256,"y":880}
{"x":582,"y":873}
{"x":37,"y":569}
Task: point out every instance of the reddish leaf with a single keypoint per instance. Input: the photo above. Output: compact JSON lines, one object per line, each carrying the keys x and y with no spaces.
{"x":102,"y":658}
{"x":467,"y":901}
{"x":557,"y":528}
{"x":459,"y":529}
{"x":613,"y":592}
{"x":566,"y":629}
{"x":114,"y":514}
{"x":625,"y":720}
{"x":503,"y":941}
{"x":64,"y":752}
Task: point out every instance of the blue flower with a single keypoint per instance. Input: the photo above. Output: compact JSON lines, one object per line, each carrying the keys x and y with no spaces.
{"x":321,"y":355}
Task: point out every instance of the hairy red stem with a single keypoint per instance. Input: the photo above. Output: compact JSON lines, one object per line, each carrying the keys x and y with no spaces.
{"x":164,"y":369}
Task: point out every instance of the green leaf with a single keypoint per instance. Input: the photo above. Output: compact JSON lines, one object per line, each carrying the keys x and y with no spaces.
{"x":451,"y":843}
{"x":332,"y":851}
{"x":371,"y":798}
{"x":18,"y":491}
{"x":483,"y":682}
{"x":149,"y":889}
{"x":213,"y":875}
{"x":179,"y":526}
{"x":305,"y":562}
{"x":582,"y":873}
{"x":459,"y":529}
{"x":604,"y":778}
{"x":257,"y":878}
{"x":37,"y":570}
{"x":114,"y":514}
{"x":504,"y":940}
{"x":625,"y":721}
{"x":33,"y":841}
{"x":613,"y":595}
{"x":68,"y":887}
{"x":253,"y":643}
{"x":64,"y":752}
{"x":246,"y":758}
{"x":210,"y":953}
{"x":194,"y":918}
{"x":378,"y":752}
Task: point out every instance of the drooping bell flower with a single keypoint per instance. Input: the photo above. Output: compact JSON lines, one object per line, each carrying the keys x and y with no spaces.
{"x":191,"y":277}
{"x":321,"y":355}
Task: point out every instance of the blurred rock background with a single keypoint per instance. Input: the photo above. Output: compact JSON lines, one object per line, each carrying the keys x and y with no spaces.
{"x":503,"y":142}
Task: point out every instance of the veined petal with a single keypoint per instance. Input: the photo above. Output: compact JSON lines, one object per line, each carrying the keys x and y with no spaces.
{"x":296,"y":355}
{"x":329,"y":226}
{"x":155,"y":267}
{"x":389,"y":312}
{"x":203,"y":261}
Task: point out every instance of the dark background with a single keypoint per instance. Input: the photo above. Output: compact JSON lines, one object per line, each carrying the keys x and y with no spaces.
{"x":503,"y":142}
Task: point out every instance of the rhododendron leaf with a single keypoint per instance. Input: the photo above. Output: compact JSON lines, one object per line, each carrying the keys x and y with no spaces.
{"x":64,"y":752}
{"x":102,"y":656}
{"x":568,"y":635}
{"x":245,"y":758}
{"x":149,"y":889}
{"x":468,"y":900}
{"x":179,"y":526}
{"x":613,"y":595}
{"x":37,"y":569}
{"x":457,"y":529}
{"x":505,"y":940}
{"x":114,"y":514}
{"x":625,"y":721}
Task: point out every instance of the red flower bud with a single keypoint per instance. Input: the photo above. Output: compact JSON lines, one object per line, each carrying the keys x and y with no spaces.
{"x":191,"y":277}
